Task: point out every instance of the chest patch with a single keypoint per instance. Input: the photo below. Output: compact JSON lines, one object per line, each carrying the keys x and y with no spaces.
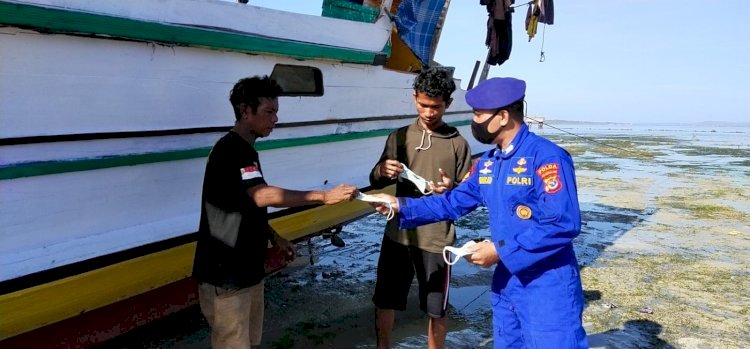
{"x":486,"y":170}
{"x":516,"y":180}
{"x":523,"y":212}
{"x":519,"y":172}
{"x":485,"y":180}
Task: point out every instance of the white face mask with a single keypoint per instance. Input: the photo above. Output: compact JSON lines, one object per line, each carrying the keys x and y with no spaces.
{"x":371,"y":198}
{"x":422,"y":184}
{"x":458,"y":252}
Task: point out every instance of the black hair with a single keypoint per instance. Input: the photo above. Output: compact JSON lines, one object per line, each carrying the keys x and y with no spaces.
{"x":435,"y":82}
{"x":248,"y":91}
{"x":515,"y":109}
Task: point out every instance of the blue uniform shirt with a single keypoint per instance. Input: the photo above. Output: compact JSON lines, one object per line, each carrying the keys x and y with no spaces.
{"x":530,"y":191}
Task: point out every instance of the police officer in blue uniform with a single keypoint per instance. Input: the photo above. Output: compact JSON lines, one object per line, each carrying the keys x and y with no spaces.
{"x":529,"y":187}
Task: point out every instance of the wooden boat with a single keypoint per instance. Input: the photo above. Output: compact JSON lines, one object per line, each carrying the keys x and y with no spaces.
{"x":107,"y":113}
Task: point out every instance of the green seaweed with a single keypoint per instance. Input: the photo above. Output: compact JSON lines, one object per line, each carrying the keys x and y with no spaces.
{"x":595,"y":166}
{"x":678,"y":289}
{"x":706,"y":211}
{"x":742,"y":153}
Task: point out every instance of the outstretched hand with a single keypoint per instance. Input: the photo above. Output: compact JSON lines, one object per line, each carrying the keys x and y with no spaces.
{"x":445,"y":183}
{"x":483,"y":254}
{"x":341,"y":193}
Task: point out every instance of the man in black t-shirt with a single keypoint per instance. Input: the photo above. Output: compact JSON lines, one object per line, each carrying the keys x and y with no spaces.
{"x":234,"y":230}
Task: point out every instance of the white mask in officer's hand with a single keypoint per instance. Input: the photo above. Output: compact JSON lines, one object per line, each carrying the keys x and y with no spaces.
{"x":459,"y":252}
{"x":422,"y":184}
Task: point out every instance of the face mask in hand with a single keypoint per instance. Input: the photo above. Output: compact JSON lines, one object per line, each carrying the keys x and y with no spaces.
{"x":458,"y":252}
{"x":421,"y":183}
{"x":370,"y":198}
{"x":480,"y":132}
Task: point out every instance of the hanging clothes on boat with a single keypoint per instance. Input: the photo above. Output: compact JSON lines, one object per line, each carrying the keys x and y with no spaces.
{"x":532,"y":19}
{"x":540,"y":11}
{"x":499,"y":34}
{"x":547,"y":12}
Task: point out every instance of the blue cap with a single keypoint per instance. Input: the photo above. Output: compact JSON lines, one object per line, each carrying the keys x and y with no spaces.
{"x":496,"y":93}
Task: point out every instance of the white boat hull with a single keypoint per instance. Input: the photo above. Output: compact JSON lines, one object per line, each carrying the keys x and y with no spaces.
{"x":103,"y":144}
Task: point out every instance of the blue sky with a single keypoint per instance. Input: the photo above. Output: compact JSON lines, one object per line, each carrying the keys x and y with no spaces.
{"x":618,"y":61}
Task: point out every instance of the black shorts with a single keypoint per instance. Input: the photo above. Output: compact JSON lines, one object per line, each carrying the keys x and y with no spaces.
{"x":396,"y":268}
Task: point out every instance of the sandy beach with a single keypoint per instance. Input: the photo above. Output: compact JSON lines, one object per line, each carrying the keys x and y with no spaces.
{"x":664,"y":255}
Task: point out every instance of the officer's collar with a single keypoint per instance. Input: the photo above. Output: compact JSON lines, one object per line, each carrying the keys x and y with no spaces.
{"x":513,"y":145}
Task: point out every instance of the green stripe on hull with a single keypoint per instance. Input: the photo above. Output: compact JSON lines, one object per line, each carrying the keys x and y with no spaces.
{"x":55,"y":167}
{"x":64,"y":166}
{"x":65,"y":21}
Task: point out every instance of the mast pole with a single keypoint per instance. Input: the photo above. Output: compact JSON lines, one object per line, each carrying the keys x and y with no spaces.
{"x":438,"y":30}
{"x":485,"y":69}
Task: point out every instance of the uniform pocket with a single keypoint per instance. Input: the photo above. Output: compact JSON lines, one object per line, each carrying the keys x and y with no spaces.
{"x":494,"y":299}
{"x":547,"y":297}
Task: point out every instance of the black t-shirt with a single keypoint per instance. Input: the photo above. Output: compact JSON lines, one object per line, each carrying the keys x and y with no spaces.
{"x":233,"y":234}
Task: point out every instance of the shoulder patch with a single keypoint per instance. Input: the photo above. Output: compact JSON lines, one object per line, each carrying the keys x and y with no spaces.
{"x":471,"y":171}
{"x":250,"y":172}
{"x":550,"y":174}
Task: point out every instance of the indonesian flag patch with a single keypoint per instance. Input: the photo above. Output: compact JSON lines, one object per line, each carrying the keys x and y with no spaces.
{"x":550,"y":174}
{"x":250,"y":172}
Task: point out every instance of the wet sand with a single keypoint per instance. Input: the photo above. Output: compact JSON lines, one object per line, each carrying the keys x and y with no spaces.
{"x":664,"y":254}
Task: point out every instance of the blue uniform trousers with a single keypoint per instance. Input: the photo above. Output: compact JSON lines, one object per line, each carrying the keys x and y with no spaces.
{"x":532,"y":310}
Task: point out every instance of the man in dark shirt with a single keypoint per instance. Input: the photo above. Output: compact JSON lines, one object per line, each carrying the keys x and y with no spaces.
{"x":234,"y":230}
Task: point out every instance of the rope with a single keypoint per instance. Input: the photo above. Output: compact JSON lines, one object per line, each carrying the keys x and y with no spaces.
{"x":429,"y":139}
{"x":475,"y":299}
{"x":579,"y":136}
{"x":528,"y":3}
{"x":541,"y":53}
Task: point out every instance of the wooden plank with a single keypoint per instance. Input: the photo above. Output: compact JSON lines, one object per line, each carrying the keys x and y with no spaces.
{"x":41,"y":305}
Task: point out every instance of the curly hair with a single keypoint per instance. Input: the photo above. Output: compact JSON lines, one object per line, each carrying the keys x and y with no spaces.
{"x":435,"y":82}
{"x":248,"y":91}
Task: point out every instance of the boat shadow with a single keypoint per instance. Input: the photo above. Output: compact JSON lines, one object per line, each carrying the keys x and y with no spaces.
{"x":634,"y":334}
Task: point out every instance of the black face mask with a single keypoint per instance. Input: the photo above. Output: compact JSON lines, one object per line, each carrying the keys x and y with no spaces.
{"x":480,"y":133}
